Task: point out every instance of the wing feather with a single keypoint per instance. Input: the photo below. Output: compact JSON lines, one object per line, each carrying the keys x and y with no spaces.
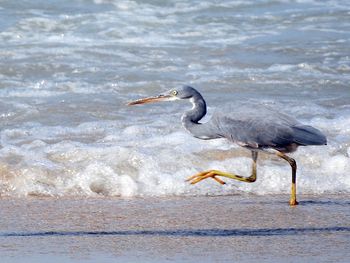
{"x":255,"y":126}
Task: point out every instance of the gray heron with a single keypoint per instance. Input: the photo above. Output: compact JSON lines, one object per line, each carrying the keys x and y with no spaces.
{"x":252,"y":126}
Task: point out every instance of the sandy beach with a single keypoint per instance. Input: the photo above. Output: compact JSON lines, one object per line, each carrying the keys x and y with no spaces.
{"x":236,"y":228}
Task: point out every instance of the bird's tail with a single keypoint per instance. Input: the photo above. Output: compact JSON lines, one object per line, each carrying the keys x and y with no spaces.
{"x":307,"y":135}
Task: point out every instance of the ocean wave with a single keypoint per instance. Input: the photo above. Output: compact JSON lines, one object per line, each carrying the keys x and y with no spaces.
{"x":102,"y":158}
{"x":68,"y":69}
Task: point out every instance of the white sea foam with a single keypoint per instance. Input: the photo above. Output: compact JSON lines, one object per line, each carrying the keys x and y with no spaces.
{"x":144,"y":160}
{"x":68,"y":71}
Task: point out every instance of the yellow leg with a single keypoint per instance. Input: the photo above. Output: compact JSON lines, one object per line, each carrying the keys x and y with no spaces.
{"x":214,"y":173}
{"x":293,"y":164}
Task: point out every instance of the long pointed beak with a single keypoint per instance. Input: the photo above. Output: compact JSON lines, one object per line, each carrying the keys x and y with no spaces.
{"x":149,"y":100}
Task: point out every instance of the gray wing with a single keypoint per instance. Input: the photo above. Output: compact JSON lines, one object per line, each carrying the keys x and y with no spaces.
{"x":259,"y":126}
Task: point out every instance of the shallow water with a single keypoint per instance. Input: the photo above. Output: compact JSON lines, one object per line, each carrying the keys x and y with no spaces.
{"x":181,"y":229}
{"x":67,"y":68}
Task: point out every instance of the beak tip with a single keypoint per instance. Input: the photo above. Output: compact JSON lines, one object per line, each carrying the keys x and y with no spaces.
{"x":135,"y":102}
{"x":147,"y":100}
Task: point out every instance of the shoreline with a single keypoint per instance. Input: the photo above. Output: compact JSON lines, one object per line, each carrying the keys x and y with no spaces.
{"x":177,"y":229}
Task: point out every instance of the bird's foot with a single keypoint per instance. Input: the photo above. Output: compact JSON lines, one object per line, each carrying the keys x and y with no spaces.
{"x":204,"y":175}
{"x":293,"y":202}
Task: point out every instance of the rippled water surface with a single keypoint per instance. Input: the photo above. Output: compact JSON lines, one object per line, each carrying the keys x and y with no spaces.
{"x":67,"y":68}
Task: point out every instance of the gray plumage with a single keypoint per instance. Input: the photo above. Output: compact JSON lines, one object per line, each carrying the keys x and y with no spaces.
{"x":252,"y":126}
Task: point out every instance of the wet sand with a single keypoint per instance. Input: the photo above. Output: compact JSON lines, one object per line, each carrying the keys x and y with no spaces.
{"x":180,"y":229}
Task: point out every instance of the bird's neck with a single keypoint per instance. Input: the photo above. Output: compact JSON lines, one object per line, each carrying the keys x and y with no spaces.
{"x":190,"y":119}
{"x":198,"y":111}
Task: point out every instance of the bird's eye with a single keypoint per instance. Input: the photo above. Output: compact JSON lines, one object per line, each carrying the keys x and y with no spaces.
{"x":174,"y":92}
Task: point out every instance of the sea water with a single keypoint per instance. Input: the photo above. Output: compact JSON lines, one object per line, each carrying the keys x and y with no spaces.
{"x":68,"y":68}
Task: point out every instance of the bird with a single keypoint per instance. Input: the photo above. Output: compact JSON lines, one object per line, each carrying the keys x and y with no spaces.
{"x":254,"y":126}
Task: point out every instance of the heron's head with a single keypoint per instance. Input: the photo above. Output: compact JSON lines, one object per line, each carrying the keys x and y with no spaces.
{"x":181,"y":93}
